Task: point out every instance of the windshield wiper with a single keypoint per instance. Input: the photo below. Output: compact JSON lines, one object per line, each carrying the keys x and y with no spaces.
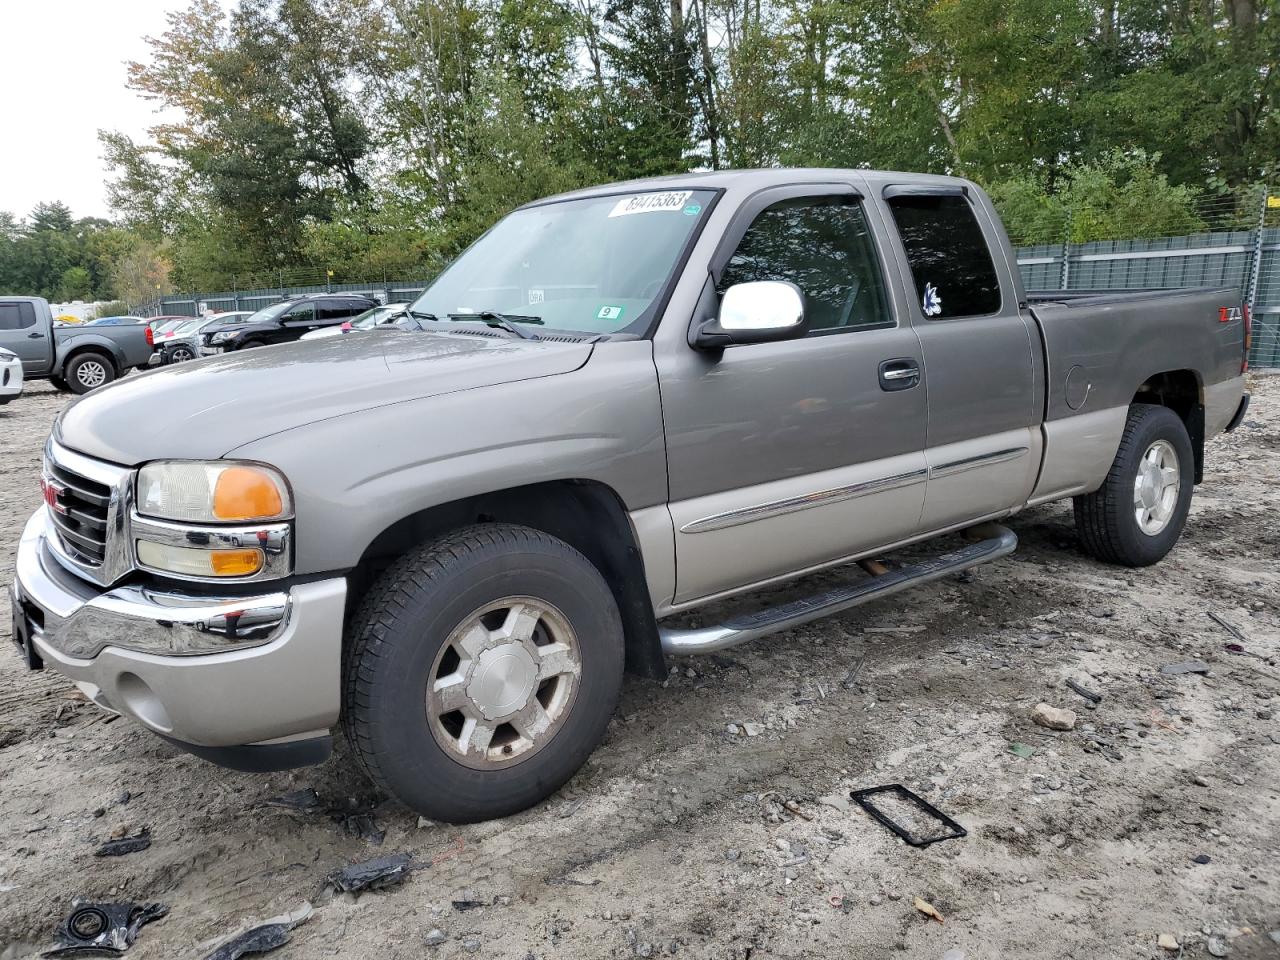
{"x":507,"y":321}
{"x":418,"y":316}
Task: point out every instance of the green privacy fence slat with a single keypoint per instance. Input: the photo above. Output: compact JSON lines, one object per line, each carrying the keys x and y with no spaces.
{"x":1220,"y":259}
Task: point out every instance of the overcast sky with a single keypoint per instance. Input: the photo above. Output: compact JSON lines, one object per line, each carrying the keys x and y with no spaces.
{"x":64,"y":78}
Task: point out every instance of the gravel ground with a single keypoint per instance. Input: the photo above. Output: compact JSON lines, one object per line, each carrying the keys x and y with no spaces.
{"x":682,"y":837}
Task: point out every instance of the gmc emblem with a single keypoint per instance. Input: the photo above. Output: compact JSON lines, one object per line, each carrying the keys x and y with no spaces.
{"x":53,"y":492}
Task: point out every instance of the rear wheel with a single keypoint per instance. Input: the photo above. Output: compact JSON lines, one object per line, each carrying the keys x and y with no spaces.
{"x":88,"y":371}
{"x":1138,"y":513}
{"x":482,"y":671}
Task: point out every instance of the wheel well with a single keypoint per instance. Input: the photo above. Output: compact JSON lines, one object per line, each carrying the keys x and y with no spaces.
{"x":1179,"y":390}
{"x":585,"y":514}
{"x":90,"y":348}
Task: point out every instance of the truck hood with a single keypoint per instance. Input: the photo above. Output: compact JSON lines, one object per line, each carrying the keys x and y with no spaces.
{"x":204,"y":408}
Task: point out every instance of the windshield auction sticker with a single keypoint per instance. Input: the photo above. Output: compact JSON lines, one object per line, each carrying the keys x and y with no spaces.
{"x":671,"y":200}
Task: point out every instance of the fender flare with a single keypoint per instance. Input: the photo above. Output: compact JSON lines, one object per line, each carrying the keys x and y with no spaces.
{"x":96,"y":342}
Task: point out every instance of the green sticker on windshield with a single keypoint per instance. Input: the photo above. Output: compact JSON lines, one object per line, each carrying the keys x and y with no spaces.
{"x":609,"y":313}
{"x":693,"y":209}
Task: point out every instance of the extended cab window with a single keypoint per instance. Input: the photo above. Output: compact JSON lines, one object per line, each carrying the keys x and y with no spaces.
{"x":14,"y":317}
{"x":949,"y":258}
{"x":823,"y":246}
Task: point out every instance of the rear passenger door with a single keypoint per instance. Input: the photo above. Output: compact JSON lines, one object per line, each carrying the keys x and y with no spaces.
{"x":21,"y":333}
{"x":979,"y":356}
{"x":329,"y":312}
{"x":787,"y":455}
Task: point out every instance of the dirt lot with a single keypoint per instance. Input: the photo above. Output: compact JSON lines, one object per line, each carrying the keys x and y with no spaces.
{"x":683,"y":838}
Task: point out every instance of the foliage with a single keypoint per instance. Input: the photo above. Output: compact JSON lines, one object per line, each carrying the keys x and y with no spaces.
{"x":112,"y":308}
{"x":1119,"y":195}
{"x":363,"y":136}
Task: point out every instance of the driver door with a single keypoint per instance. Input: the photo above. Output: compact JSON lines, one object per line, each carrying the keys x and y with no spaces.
{"x":789,"y":455}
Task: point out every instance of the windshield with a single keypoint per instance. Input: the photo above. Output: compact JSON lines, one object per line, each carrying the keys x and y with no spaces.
{"x":376,"y":315}
{"x":266,"y":313}
{"x":188,"y":328}
{"x":592,"y":266}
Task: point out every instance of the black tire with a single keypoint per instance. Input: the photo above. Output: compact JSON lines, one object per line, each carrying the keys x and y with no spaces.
{"x":1105,"y":519}
{"x":404,"y":623}
{"x":59,"y":383}
{"x":179,"y":355}
{"x":89,"y":371}
{"x":250,"y":344}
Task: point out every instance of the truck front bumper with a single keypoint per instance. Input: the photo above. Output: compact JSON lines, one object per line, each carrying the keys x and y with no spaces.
{"x":266,"y":706}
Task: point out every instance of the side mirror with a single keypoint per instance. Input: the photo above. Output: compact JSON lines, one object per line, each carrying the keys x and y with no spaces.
{"x":758,"y":312}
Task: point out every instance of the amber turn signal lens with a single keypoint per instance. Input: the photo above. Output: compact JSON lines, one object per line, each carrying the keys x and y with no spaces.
{"x":246,"y":493}
{"x":235,"y":563}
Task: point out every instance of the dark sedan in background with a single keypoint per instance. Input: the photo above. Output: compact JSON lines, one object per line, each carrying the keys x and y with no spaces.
{"x":285,"y":322}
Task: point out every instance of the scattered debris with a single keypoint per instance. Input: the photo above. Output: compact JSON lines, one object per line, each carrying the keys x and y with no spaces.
{"x":361,"y":825}
{"x":1217,"y":947}
{"x":1085,"y":692}
{"x":793,"y":807}
{"x":122,"y":845}
{"x":464,"y":905}
{"x":863,"y":799}
{"x":305,"y":800}
{"x":1054,"y":718}
{"x":103,"y":927}
{"x":1185,"y":666}
{"x":1202,"y":859}
{"x":927,"y":908}
{"x":1167,"y":941}
{"x":1022,"y":750}
{"x":264,"y":937}
{"x":753,"y":729}
{"x":1228,"y":626}
{"x":449,"y":852}
{"x":435,"y":938}
{"x":376,"y":874}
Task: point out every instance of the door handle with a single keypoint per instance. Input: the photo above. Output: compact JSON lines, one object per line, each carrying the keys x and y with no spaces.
{"x":35,"y":336}
{"x":902,"y":373}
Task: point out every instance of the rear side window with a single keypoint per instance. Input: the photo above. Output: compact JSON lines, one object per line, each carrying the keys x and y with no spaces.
{"x":16,"y":316}
{"x":949,"y":258}
{"x":338,"y":309}
{"x":823,"y":246}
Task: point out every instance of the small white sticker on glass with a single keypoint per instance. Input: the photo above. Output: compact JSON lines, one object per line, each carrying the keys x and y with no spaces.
{"x":931,"y":303}
{"x":671,"y":200}
{"x":537,"y":296}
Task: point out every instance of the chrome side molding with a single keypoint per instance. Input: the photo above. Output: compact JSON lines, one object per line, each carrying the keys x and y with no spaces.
{"x":998,"y":541}
{"x":820,"y":498}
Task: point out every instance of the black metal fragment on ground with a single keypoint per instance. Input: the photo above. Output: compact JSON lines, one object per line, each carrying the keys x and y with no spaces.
{"x":118,"y":848}
{"x":258,"y":940}
{"x":376,"y":874}
{"x":97,"y":928}
{"x":305,"y":800}
{"x":463,"y":905}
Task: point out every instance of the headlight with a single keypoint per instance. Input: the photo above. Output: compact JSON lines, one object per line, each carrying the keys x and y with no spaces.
{"x":224,"y":335}
{"x":212,"y":492}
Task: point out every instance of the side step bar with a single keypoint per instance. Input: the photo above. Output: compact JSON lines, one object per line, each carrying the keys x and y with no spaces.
{"x":998,"y":542}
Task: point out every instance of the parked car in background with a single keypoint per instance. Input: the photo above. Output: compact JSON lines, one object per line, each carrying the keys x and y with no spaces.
{"x":10,"y":376}
{"x":182,"y":343}
{"x":72,"y":358}
{"x":286,"y":321}
{"x":115,"y":321}
{"x":617,"y":406}
{"x":382,"y":316}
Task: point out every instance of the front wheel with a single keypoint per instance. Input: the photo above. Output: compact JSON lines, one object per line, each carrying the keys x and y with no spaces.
{"x":481,"y":671}
{"x":1138,"y":513}
{"x":88,"y":371}
{"x":181,"y":355}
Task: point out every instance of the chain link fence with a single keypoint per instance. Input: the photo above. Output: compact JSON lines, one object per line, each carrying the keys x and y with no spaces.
{"x":1237,"y":245}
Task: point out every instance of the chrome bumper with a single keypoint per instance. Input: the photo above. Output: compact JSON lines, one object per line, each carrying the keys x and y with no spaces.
{"x":204,"y":670}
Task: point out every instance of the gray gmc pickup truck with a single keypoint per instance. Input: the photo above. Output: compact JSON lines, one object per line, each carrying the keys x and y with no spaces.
{"x":75,"y":358}
{"x":450,"y":541}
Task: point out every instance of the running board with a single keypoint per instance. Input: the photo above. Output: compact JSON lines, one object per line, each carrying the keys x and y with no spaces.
{"x":998,"y":542}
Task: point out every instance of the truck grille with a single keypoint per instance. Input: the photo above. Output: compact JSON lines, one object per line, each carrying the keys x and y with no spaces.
{"x":81,"y":514}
